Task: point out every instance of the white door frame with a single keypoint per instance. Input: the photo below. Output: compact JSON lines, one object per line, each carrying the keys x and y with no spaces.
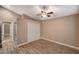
{"x":11,"y":30}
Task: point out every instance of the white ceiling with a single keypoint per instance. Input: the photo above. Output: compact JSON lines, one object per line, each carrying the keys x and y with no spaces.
{"x":33,"y":10}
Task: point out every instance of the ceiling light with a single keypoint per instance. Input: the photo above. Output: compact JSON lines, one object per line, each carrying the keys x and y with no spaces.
{"x":43,"y":15}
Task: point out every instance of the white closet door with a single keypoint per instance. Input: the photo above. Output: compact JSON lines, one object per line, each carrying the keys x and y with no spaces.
{"x":33,"y":31}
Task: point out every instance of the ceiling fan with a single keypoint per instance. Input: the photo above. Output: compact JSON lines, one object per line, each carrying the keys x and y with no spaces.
{"x":44,"y":13}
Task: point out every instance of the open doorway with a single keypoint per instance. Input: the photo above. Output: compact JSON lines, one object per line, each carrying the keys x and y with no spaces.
{"x":8,"y":31}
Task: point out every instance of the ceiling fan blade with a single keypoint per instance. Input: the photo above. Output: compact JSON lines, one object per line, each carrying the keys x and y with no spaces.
{"x":50,"y":13}
{"x":42,"y":11}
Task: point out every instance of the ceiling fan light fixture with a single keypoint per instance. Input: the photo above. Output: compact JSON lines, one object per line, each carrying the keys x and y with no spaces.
{"x":43,"y":15}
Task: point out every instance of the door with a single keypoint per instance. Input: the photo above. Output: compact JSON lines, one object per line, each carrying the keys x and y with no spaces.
{"x":33,"y":31}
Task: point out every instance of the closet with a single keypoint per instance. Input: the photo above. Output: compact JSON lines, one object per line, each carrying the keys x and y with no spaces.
{"x":28,"y":30}
{"x":33,"y":31}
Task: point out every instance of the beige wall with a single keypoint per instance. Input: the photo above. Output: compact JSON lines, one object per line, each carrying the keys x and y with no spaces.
{"x":77,"y":31}
{"x":21,"y":30}
{"x":63,"y":29}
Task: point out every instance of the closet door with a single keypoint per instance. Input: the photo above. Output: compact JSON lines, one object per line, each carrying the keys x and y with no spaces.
{"x":33,"y":31}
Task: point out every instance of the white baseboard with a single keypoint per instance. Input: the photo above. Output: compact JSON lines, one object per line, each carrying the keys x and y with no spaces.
{"x":25,"y":43}
{"x":77,"y":48}
{"x":22,"y":44}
